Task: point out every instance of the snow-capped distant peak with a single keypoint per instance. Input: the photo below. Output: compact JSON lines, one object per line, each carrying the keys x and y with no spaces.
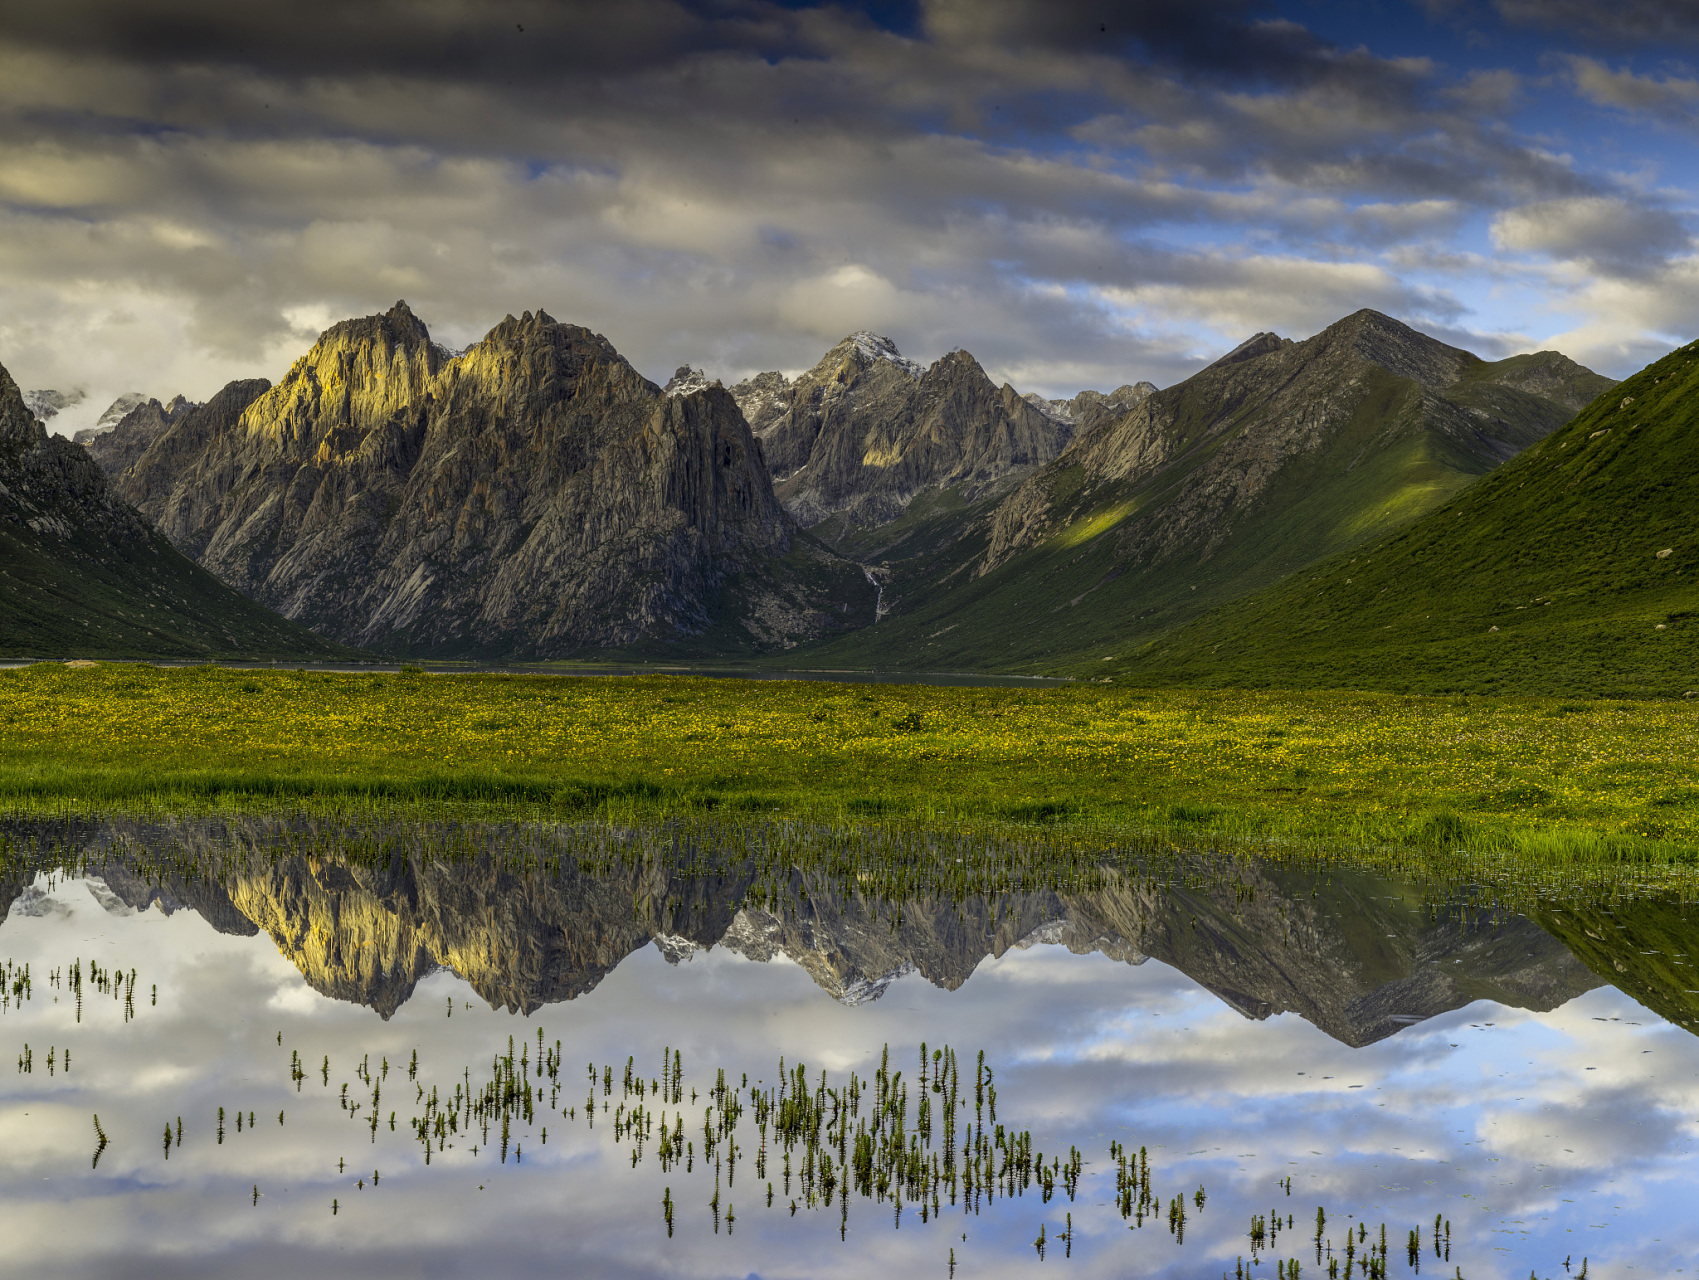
{"x":874,"y":346}
{"x":686,"y":380}
{"x":46,"y":404}
{"x":1055,"y":410}
{"x":118,"y":410}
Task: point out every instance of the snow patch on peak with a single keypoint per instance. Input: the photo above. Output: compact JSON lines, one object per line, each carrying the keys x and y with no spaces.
{"x":862,"y":991}
{"x":1055,"y":410}
{"x":118,"y":410}
{"x":677,"y":949}
{"x":687,"y":379}
{"x":875,"y":346}
{"x":46,"y":404}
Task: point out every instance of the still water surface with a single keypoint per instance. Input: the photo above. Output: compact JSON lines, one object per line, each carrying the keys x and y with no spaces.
{"x":1300,"y":1040}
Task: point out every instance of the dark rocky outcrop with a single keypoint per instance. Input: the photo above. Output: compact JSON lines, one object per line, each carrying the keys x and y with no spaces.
{"x":533,"y":496}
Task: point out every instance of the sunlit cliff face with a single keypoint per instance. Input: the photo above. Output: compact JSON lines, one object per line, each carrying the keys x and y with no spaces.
{"x":1082,"y":196}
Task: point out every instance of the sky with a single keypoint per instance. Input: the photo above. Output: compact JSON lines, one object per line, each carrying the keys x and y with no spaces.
{"x":1081,"y":194}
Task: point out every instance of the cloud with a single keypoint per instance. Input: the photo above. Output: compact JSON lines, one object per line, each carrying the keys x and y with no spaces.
{"x":1615,"y":21}
{"x":1610,"y":233}
{"x":1080,"y":194}
{"x":1670,"y":97}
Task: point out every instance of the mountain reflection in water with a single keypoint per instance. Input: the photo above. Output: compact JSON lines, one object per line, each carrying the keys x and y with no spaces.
{"x":1090,"y":1044}
{"x":1353,"y":953}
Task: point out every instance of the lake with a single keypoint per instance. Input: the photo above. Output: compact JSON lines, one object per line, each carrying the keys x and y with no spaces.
{"x":267,"y":1048}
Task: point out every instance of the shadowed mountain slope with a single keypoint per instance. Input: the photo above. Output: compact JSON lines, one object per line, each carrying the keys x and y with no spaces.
{"x":82,"y":574}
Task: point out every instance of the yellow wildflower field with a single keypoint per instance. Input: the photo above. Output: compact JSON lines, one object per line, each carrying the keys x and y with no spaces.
{"x":1540,"y":776}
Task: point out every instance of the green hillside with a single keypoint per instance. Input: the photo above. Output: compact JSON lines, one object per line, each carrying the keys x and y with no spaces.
{"x":1569,"y":571}
{"x":87,"y":598}
{"x":1277,"y":457}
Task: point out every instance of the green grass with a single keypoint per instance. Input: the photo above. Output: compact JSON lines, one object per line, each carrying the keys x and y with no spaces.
{"x":1556,"y":783}
{"x":1544,"y":578}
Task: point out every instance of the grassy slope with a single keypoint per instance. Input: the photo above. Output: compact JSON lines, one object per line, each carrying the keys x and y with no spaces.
{"x":1544,"y":578}
{"x":1547,"y":780}
{"x":1073,"y":597}
{"x":69,"y":599}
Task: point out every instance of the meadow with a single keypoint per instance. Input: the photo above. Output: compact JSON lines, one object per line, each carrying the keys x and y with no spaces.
{"x":1554,"y":780}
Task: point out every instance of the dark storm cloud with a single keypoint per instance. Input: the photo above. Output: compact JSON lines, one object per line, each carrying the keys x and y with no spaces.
{"x":505,"y":42}
{"x":1235,"y":38}
{"x":1614,"y":21}
{"x":1082,"y":194}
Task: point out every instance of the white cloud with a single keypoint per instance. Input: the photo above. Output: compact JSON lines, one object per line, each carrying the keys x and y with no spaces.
{"x":1609,"y":232}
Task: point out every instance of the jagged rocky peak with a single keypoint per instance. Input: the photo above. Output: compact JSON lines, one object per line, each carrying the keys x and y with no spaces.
{"x":1088,"y":407}
{"x":1398,"y":348}
{"x":545,"y":361}
{"x":687,"y":379}
{"x":534,"y":495}
{"x":1055,"y":410}
{"x":1260,"y":344}
{"x":763,"y":399}
{"x":866,"y":431}
{"x":119,"y":409}
{"x":356,"y":376}
{"x":874,"y":346}
{"x":124,"y":444}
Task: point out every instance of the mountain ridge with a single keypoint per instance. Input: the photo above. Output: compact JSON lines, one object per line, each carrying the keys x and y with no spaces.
{"x":1270,"y":459}
{"x":1569,"y":571}
{"x":864,"y":432}
{"x":533,"y":496}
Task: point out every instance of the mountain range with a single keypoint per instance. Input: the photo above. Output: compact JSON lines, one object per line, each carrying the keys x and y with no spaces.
{"x":1565,"y":571}
{"x":536,"y":497}
{"x":1276,"y":456}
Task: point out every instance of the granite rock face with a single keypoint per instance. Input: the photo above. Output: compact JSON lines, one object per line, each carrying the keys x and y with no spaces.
{"x":866,"y":431}
{"x":533,"y":496}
